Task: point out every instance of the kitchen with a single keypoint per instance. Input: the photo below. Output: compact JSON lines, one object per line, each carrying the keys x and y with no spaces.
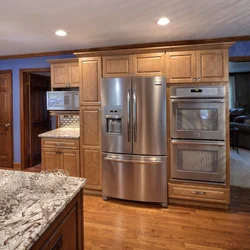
{"x":94,"y":66}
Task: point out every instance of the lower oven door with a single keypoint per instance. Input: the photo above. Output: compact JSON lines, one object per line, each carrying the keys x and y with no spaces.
{"x":198,"y":160}
{"x":133,"y":177}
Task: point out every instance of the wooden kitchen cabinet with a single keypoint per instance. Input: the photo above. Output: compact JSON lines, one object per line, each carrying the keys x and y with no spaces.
{"x":117,"y":66}
{"x":90,"y":71}
{"x":91,"y":167}
{"x":152,"y":64}
{"x":61,"y":154}
{"x":197,"y":66}
{"x":65,"y":73}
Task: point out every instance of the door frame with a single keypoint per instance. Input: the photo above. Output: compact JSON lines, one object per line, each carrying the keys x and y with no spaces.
{"x":24,"y":140}
{"x":9,"y":71}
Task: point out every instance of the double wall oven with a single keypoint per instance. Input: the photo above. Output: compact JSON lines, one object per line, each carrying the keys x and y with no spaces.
{"x":197,"y":131}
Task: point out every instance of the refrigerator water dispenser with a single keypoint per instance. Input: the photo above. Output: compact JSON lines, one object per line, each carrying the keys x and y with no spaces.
{"x":113,"y":116}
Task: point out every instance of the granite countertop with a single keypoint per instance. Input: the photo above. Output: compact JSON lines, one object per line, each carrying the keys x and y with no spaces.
{"x":70,"y":133}
{"x":26,"y":212}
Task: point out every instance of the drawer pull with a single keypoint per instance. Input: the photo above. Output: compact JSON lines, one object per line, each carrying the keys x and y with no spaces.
{"x":198,"y":192}
{"x":59,"y":144}
{"x":58,"y":244}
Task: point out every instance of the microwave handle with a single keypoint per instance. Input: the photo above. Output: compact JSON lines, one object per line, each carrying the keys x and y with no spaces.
{"x":195,"y":142}
{"x":198,"y":100}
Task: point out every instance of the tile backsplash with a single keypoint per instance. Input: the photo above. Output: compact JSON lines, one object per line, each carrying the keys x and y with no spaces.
{"x":69,"y":121}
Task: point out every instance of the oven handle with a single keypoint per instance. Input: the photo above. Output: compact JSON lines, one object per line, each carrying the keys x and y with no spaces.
{"x":199,"y":100}
{"x":213,"y":143}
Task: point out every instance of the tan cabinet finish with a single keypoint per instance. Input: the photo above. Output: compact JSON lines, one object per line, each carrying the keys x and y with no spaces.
{"x":65,"y":74}
{"x":181,"y":66}
{"x":91,"y":167}
{"x":61,"y":154}
{"x":197,"y":66}
{"x":199,"y":193}
{"x":117,"y":66}
{"x":212,"y":65}
{"x":152,"y":64}
{"x":90,"y":71}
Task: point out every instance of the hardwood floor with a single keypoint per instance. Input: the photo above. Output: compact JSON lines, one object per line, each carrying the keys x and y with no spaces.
{"x":116,"y":224}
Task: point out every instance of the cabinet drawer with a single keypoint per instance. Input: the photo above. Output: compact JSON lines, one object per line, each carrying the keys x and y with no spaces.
{"x":60,"y":143}
{"x":199,"y":193}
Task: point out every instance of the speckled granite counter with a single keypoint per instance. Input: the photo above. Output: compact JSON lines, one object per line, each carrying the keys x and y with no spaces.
{"x":24,"y":217}
{"x":70,"y":133}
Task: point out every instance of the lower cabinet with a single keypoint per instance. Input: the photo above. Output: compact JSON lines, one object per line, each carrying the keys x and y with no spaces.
{"x":56,"y":155}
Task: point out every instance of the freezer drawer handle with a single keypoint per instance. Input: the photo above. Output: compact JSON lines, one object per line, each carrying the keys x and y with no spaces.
{"x":132,"y":161}
{"x":199,"y":192}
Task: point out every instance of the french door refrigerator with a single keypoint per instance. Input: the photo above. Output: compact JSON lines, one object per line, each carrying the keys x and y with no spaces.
{"x":134,"y":144}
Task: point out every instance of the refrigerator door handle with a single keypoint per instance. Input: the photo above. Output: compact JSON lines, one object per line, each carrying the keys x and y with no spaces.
{"x":135,"y":114}
{"x":132,"y":161}
{"x":129,"y":108}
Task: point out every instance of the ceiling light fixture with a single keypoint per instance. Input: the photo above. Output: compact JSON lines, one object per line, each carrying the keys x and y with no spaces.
{"x":163,"y":21}
{"x":61,"y":33}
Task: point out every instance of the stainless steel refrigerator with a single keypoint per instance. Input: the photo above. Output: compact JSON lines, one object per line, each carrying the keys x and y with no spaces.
{"x":134,"y":144}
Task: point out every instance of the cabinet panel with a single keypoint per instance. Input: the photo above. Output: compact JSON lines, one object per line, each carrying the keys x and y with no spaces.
{"x":50,"y":159}
{"x":74,"y":74}
{"x":117,"y":66}
{"x":90,"y":126}
{"x":90,"y":72}
{"x":59,"y":75}
{"x":62,"y":143}
{"x":149,"y":64}
{"x":181,"y":67}
{"x":70,"y":161}
{"x":91,"y":167}
{"x":212,"y":65}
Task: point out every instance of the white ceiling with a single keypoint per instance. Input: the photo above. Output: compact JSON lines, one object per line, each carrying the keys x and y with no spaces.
{"x":28,"y":26}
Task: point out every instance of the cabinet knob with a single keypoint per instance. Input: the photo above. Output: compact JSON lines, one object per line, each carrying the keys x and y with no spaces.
{"x":194,"y":78}
{"x":199,"y":78}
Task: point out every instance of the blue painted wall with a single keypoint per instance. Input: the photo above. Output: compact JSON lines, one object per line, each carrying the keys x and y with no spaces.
{"x":15,"y":65}
{"x":240,"y":49}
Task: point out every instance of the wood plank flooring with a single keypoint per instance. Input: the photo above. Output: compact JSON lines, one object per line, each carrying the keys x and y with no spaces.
{"x":116,"y":224}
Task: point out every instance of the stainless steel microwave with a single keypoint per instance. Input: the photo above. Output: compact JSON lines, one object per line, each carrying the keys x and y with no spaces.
{"x":62,"y":100}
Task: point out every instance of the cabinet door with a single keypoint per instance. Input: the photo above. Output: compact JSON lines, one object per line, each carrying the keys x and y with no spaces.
{"x":50,"y":159}
{"x":74,"y":74}
{"x":91,"y":167}
{"x":90,"y":74}
{"x":91,"y":146}
{"x":181,"y":67}
{"x":59,"y":75}
{"x":149,"y":64}
{"x":70,"y":161}
{"x":212,"y":65}
{"x":117,"y":66}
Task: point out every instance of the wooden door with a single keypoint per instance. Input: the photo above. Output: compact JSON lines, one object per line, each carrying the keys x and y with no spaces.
{"x":39,"y":118}
{"x":117,"y":66}
{"x":90,"y":73}
{"x":152,"y":64}
{"x":74,"y":74}
{"x":181,"y":67}
{"x":6,"y":132}
{"x":212,"y":65}
{"x":91,"y":146}
{"x":59,"y":75}
{"x":70,"y":161}
{"x":51,"y":158}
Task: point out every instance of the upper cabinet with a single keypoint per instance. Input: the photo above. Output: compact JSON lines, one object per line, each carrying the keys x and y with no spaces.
{"x":197,"y":66}
{"x":152,"y":64}
{"x":65,"y":73}
{"x":90,"y":71}
{"x":117,"y":66}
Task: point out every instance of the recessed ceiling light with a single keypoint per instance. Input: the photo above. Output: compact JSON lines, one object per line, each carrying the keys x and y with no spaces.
{"x":61,"y":33}
{"x":163,"y":21}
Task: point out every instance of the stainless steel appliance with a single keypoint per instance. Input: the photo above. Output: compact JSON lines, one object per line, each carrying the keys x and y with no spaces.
{"x":62,"y":100}
{"x":134,"y":141}
{"x":197,"y":130}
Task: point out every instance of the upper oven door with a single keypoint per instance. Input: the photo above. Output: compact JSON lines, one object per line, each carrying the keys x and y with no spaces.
{"x":198,"y":119}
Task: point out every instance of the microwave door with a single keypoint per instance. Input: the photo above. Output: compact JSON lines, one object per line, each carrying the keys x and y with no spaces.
{"x":116,"y":115}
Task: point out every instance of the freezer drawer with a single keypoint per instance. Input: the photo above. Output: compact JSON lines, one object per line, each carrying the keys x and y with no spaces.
{"x":138,"y":178}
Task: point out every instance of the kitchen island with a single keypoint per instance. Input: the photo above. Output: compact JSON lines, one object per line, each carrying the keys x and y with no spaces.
{"x":33,"y":218}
